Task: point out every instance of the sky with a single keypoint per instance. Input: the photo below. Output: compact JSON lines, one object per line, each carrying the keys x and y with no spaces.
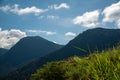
{"x":58,"y":21}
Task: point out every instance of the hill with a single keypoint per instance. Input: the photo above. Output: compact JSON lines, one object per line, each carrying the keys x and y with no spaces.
{"x":2,"y":51}
{"x":85,"y":43}
{"x":26,"y":50}
{"x":97,"y":66}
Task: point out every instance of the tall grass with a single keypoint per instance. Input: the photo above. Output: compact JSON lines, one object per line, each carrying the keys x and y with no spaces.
{"x":97,"y":66}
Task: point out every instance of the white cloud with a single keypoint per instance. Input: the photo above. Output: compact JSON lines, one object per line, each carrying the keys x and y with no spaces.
{"x":55,"y":42}
{"x":21,"y":11}
{"x":88,"y":19}
{"x":5,"y":8}
{"x":8,"y":38}
{"x":112,"y":14}
{"x":70,"y":34}
{"x":57,"y":7}
{"x":118,"y":23}
{"x":15,"y":9}
{"x":42,"y":32}
{"x":52,"y":17}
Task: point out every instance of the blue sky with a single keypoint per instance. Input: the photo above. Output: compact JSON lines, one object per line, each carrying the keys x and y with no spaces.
{"x":57,"y":20}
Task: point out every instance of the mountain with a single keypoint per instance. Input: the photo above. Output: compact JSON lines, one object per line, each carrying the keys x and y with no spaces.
{"x":85,"y":43}
{"x":26,"y":50}
{"x":2,"y":51}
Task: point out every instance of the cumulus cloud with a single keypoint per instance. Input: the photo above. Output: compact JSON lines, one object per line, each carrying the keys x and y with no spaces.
{"x":88,"y":19}
{"x":57,"y":7}
{"x":52,"y":17}
{"x":42,"y":32}
{"x":70,"y":34}
{"x":112,"y":13}
{"x":5,"y":8}
{"x":8,"y":38}
{"x":15,"y":9}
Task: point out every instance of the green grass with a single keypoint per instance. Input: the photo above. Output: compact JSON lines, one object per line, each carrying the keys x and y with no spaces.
{"x":97,"y":66}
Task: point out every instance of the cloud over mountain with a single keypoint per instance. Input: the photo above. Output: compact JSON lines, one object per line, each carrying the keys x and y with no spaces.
{"x":91,"y":19}
{"x":88,"y":19}
{"x":42,"y":32}
{"x":10,"y":37}
{"x":112,"y":14}
{"x":70,"y":34}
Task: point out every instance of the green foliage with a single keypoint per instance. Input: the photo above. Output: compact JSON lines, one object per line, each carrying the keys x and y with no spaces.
{"x":98,"y":66}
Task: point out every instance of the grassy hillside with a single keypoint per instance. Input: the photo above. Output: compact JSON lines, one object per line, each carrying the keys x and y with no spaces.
{"x":98,"y":66}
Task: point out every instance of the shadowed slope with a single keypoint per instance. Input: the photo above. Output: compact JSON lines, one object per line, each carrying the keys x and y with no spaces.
{"x":26,"y":50}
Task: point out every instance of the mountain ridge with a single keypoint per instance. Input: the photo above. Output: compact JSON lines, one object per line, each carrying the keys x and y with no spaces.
{"x":90,"y":40}
{"x":26,"y":50}
{"x":3,"y":51}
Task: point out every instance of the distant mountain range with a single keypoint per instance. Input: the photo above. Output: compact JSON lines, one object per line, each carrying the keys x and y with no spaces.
{"x":91,"y":40}
{"x":26,"y":50}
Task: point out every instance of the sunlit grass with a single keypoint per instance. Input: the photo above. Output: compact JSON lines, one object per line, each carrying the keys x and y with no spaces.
{"x":97,"y":66}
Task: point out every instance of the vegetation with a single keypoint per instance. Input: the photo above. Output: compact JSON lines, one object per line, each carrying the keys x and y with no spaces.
{"x":85,"y":43}
{"x":97,"y":66}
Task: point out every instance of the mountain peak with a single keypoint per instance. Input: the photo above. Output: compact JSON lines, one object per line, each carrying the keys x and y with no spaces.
{"x":33,"y":38}
{"x":101,"y":29}
{"x":26,"y":50}
{"x":93,"y":39}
